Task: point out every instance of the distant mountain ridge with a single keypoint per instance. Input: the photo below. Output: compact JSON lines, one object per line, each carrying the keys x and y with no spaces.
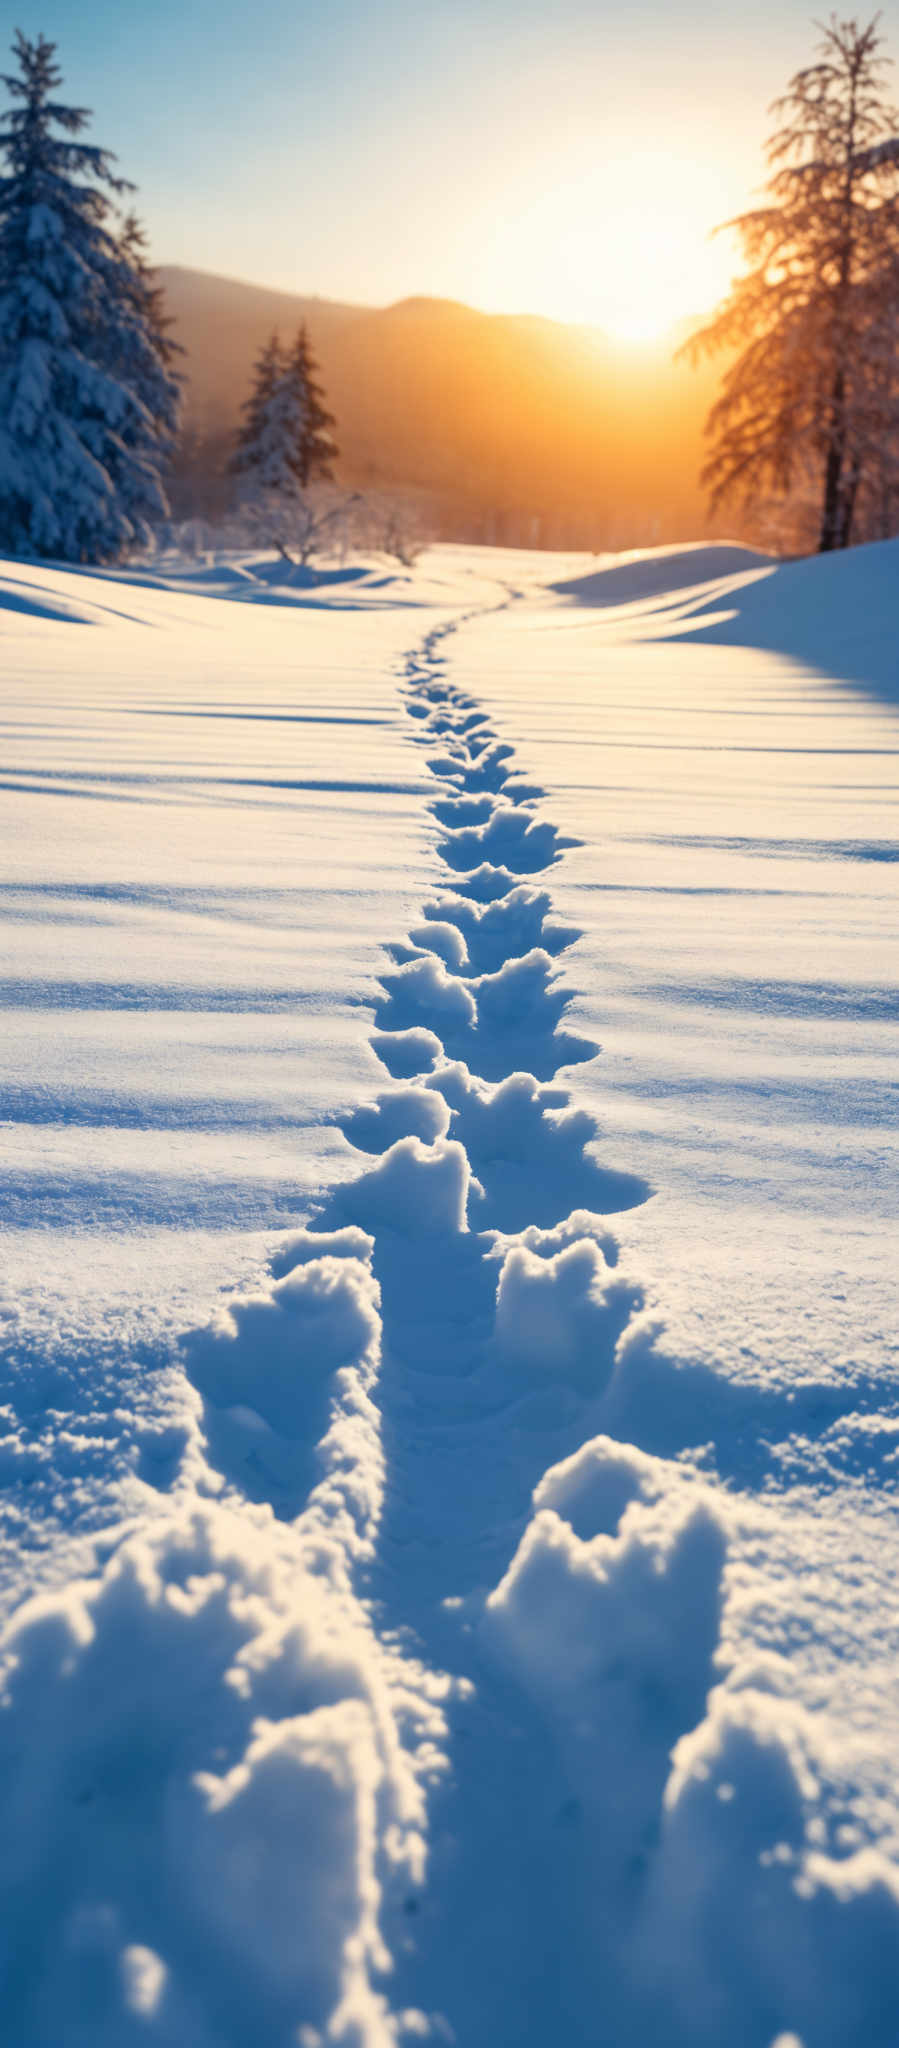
{"x":507,"y":428}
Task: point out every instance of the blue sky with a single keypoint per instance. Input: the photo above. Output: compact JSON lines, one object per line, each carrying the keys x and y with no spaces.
{"x":521,"y":156}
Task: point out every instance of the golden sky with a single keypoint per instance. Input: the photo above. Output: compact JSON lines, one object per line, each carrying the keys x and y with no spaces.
{"x":565,"y":159}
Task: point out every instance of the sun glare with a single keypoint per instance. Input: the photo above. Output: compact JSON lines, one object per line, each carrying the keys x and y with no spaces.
{"x":624,"y":245}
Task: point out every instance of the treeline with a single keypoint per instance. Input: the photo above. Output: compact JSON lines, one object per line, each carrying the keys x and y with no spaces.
{"x":804,"y":435}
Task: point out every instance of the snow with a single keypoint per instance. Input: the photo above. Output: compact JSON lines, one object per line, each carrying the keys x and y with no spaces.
{"x":450,"y":1417}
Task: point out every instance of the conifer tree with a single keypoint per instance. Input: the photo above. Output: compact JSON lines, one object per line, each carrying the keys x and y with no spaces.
{"x":88,"y":396}
{"x":145,"y":357}
{"x":285,"y":441}
{"x":267,"y":452}
{"x":317,"y":449}
{"x":813,"y":393}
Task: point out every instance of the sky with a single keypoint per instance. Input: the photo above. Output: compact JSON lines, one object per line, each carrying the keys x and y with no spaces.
{"x":566,"y":159}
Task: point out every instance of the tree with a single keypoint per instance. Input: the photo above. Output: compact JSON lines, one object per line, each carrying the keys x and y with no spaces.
{"x":88,"y":395}
{"x":812,"y":394}
{"x":267,"y":455}
{"x":285,"y":441}
{"x":317,"y":449}
{"x":144,"y":356}
{"x":283,"y":445}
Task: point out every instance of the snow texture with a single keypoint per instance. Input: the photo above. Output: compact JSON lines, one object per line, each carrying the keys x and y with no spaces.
{"x":450,"y":1467}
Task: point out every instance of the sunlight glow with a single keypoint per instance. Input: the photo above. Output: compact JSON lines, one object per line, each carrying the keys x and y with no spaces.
{"x":623,"y":245}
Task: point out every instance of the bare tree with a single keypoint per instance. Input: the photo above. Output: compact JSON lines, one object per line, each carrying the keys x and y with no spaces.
{"x":298,"y":524}
{"x":812,"y":397}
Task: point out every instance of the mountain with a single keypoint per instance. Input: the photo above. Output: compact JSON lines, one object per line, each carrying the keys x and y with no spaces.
{"x":505,"y":428}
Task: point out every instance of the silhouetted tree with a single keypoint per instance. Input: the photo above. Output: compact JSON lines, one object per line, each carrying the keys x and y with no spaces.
{"x":88,"y":398}
{"x":317,"y":449}
{"x":812,"y":394}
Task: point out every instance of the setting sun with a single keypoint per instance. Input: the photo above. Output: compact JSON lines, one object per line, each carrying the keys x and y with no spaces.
{"x":635,"y":266}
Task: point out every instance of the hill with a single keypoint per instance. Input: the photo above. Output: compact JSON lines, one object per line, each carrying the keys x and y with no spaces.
{"x":511,"y":429}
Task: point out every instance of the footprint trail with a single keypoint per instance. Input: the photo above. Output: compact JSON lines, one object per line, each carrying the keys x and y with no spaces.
{"x":373,"y":1424}
{"x":466,"y":1627}
{"x":501,"y":1309}
{"x":502,"y":1314}
{"x":411,"y":1674}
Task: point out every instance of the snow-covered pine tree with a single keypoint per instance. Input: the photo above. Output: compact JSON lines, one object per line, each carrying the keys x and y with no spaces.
{"x":285,"y":442}
{"x":144,"y":356}
{"x":317,"y":448}
{"x":86,"y":386}
{"x":812,"y":394}
{"x":284,"y":445}
{"x":267,"y":455}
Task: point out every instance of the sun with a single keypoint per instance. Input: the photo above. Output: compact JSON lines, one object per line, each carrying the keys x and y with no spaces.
{"x":623,"y":243}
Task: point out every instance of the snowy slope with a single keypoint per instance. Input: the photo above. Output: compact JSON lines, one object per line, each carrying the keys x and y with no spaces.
{"x":449,"y":1198}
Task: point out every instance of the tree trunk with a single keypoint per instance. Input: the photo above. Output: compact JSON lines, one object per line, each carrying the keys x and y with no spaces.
{"x":848,"y":507}
{"x":833,"y":474}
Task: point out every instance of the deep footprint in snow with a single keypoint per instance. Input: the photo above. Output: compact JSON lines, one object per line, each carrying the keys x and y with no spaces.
{"x":510,"y":837}
{"x":510,"y":1020}
{"x":501,"y":928}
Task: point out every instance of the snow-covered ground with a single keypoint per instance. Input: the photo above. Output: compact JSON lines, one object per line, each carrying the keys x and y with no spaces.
{"x":450,"y":1420}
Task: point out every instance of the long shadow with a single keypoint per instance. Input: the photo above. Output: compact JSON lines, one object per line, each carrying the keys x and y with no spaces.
{"x":19,"y":993}
{"x":835,"y":613}
{"x":658,"y":574}
{"x":785,"y":998}
{"x":144,"y":1199}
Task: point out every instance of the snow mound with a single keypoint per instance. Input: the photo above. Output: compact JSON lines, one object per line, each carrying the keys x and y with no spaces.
{"x":561,"y":1315}
{"x":615,"y":1637}
{"x":415,"y":1190}
{"x":299,"y":1247}
{"x":748,"y":1921}
{"x":398,"y":1113}
{"x":213,"y":1695}
{"x":423,"y":988}
{"x":651,"y":573}
{"x":835,"y":612}
{"x":266,"y":1370}
{"x":591,"y":1489}
{"x":645,"y":1598}
{"x":486,"y":883}
{"x":444,"y":939}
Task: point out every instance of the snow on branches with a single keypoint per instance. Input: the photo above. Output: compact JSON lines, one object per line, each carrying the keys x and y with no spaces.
{"x":88,"y":394}
{"x":284,"y":445}
{"x":810,"y":399}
